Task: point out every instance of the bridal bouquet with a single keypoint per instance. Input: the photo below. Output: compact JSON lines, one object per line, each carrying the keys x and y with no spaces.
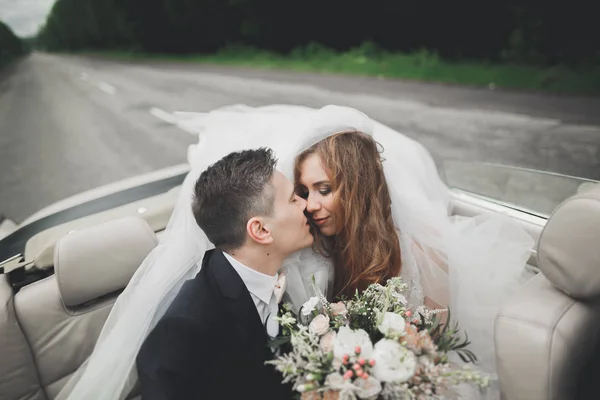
{"x":371,"y":347}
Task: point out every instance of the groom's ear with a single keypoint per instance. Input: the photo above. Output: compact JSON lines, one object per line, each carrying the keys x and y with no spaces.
{"x":258,"y":231}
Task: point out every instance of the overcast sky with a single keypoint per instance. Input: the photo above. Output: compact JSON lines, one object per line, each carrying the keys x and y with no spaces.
{"x":24,"y":16}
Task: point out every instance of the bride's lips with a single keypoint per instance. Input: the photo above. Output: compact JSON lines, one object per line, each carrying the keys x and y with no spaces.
{"x":321,"y":221}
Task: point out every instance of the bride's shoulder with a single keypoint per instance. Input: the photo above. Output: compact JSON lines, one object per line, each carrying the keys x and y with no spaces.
{"x":306,"y":255}
{"x":309,"y":254}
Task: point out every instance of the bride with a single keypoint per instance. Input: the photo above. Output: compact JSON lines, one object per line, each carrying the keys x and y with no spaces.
{"x":468,"y":264}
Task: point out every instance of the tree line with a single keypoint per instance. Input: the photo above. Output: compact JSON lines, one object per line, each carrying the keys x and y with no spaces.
{"x":10,"y":45}
{"x":541,"y":34}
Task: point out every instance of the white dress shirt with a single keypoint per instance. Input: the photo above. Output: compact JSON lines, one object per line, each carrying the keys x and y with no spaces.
{"x":259,"y":285}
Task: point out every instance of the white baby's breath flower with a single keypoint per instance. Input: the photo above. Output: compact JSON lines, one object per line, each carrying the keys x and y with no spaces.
{"x":392,"y":325}
{"x":347,"y":341}
{"x":393,"y":363}
{"x":319,"y":325}
{"x":285,"y":319}
{"x":400,"y":297}
{"x":310,"y":305}
{"x":303,"y":387}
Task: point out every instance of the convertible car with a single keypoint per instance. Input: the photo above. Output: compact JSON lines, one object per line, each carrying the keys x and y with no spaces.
{"x":62,"y":269}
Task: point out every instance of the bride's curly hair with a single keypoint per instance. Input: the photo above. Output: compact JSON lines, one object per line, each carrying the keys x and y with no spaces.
{"x":366,"y":248}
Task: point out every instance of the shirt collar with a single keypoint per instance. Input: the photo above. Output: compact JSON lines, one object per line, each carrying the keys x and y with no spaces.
{"x":259,"y":284}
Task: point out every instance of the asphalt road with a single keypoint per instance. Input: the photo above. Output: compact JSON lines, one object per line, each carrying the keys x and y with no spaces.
{"x":69,"y":124}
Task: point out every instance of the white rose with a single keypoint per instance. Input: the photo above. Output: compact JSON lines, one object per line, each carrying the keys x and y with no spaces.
{"x":309,"y":306}
{"x":338,"y":308}
{"x":319,"y":325}
{"x":347,"y":340}
{"x":367,"y":388}
{"x":393,"y":363}
{"x":392,"y":325}
{"x":327,"y":341}
{"x":334,"y":380}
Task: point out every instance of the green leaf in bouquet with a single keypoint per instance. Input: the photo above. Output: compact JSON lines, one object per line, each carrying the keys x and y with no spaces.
{"x":467,"y":356}
{"x":279,"y":341}
{"x":447,"y":338}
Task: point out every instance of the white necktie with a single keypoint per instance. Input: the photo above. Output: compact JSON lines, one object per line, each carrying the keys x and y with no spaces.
{"x":272,"y":308}
{"x":271,"y":324}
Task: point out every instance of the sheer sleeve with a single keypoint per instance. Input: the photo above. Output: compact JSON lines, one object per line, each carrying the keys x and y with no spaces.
{"x":433,"y":271}
{"x":300,"y":269}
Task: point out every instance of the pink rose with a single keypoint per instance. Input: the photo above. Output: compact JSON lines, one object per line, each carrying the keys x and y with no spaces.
{"x":338,"y":308}
{"x":319,"y":325}
{"x":327,"y":342}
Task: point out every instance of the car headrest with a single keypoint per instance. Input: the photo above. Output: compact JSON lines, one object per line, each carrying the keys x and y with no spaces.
{"x":100,"y":260}
{"x":569,"y":246}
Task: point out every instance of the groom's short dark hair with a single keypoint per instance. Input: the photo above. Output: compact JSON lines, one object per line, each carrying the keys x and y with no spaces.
{"x":230,"y":192}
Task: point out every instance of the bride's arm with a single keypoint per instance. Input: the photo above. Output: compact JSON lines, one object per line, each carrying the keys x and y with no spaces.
{"x":434,"y":277}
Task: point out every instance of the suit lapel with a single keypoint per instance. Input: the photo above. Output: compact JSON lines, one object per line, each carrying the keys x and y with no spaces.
{"x":236,"y":300}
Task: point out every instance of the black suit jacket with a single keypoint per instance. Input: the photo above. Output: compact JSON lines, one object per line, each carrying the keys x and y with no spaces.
{"x":210,"y":344}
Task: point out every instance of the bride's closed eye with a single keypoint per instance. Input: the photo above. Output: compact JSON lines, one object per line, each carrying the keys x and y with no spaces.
{"x":325,"y":190}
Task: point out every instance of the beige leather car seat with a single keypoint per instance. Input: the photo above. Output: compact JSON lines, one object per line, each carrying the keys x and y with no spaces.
{"x":548,"y":331}
{"x":18,"y":373}
{"x":62,"y":316}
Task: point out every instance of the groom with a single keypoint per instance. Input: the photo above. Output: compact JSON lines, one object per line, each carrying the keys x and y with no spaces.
{"x":213,"y":340}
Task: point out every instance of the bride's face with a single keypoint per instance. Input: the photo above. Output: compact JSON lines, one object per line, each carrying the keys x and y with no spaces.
{"x":315,"y":186}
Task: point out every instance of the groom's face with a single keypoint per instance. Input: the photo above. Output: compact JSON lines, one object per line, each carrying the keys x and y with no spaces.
{"x":289,"y":226}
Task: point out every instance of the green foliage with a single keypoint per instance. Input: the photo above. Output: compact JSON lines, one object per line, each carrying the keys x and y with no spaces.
{"x":11,"y":46}
{"x":447,"y":337}
{"x":423,"y":65}
{"x":526,"y":34}
{"x":495,"y":45}
{"x":86,"y":24}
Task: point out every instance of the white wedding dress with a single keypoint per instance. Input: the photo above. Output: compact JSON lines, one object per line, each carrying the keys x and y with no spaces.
{"x":483,"y":257}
